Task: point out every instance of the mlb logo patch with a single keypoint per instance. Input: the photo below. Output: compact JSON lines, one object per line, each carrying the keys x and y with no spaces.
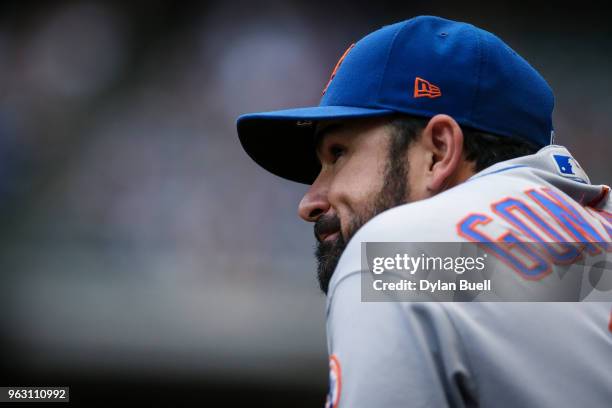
{"x":564,"y":164}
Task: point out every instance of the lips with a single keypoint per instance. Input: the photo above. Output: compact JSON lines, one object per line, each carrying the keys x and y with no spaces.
{"x":326,"y":227}
{"x":326,"y":237}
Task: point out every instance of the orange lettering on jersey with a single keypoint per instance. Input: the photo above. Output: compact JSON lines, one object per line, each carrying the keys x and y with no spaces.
{"x":573,"y":235}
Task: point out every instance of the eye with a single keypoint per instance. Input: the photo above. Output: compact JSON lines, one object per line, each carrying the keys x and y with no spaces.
{"x":336,"y":151}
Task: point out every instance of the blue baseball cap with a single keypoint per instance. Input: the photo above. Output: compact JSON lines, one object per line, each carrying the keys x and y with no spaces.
{"x":423,"y":66}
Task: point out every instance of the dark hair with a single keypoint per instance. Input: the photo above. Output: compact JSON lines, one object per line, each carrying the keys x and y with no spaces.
{"x":482,"y":148}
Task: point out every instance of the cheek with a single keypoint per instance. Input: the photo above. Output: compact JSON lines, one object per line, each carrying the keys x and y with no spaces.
{"x":355,"y":187}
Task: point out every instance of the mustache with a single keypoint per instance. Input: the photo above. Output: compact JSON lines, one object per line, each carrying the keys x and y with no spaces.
{"x":325,"y":225}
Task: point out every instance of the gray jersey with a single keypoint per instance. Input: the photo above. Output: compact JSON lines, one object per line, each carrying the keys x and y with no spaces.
{"x":409,"y":354}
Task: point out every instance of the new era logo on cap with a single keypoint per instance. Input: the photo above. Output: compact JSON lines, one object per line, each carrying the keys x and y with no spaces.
{"x":423,"y":88}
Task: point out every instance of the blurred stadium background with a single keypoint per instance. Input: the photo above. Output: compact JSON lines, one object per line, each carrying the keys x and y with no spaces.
{"x":144,"y":256}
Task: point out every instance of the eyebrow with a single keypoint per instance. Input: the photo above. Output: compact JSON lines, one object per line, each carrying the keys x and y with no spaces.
{"x":320,"y":135}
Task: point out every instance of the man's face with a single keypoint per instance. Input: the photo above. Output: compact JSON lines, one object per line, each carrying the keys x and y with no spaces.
{"x":363,"y":173}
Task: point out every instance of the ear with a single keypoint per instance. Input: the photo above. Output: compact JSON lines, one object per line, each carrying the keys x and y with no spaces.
{"x":444,"y":139}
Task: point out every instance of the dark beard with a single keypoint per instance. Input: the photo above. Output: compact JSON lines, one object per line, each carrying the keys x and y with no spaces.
{"x":393,"y":193}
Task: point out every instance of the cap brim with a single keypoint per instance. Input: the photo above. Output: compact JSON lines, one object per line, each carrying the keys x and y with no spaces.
{"x":282,"y":142}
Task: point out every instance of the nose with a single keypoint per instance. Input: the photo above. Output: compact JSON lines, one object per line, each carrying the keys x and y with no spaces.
{"x":314,"y":203}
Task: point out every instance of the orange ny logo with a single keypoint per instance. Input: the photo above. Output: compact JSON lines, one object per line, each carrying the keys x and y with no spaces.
{"x":333,"y":74}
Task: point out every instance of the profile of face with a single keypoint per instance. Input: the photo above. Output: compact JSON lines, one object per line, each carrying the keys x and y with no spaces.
{"x":366,"y":169}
